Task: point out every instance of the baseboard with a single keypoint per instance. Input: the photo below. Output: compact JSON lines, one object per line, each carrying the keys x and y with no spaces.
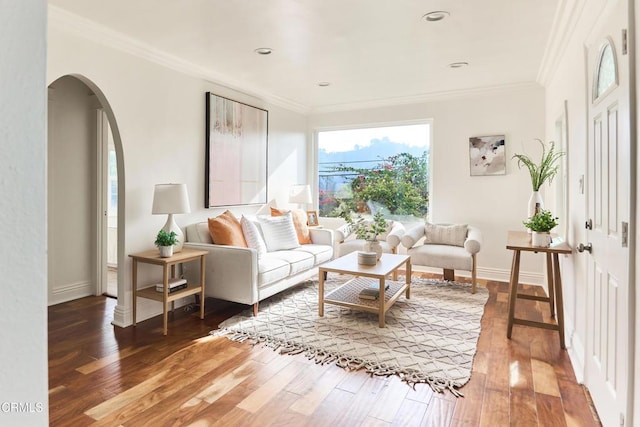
{"x":485,"y":273}
{"x":576,"y":356}
{"x":146,"y":309}
{"x":71,"y":292}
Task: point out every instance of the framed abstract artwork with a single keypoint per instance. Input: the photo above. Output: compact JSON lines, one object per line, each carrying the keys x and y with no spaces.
{"x":236,"y":153}
{"x":487,"y":155}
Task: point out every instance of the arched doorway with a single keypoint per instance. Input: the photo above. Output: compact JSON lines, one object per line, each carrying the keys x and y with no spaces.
{"x":85,"y":192}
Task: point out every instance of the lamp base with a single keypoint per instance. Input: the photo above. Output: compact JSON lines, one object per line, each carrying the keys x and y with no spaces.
{"x":170,"y":226}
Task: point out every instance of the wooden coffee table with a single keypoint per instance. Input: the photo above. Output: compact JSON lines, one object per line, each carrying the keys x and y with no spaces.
{"x":347,"y":294}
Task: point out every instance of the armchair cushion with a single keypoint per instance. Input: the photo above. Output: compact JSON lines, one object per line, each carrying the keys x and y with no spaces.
{"x":445,"y":234}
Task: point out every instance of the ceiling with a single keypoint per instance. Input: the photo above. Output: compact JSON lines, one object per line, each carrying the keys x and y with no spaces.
{"x":373,"y":52}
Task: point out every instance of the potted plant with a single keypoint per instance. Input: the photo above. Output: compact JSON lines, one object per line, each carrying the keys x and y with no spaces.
{"x":165,"y":241}
{"x":367,"y":230}
{"x":540,"y":172}
{"x":540,"y":225}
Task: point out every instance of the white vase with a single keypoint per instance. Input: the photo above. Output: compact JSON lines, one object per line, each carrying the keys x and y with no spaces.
{"x":165,"y":251}
{"x":536,"y":204}
{"x":373,"y":246}
{"x":541,"y":239}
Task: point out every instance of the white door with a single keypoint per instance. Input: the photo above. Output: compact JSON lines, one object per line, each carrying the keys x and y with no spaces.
{"x":608,"y":197}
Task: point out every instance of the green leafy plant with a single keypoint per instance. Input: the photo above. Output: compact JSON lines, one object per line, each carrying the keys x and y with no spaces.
{"x":546,"y":169}
{"x":166,"y":239}
{"x":542,"y":221}
{"x":363,"y":229}
{"x":398,"y":182}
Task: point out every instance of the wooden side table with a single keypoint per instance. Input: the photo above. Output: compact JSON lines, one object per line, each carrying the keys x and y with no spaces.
{"x":519,"y":241}
{"x":153,"y":257}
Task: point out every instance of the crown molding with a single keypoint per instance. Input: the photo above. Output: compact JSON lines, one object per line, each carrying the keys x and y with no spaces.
{"x":423,"y":98}
{"x":566,"y":19}
{"x":76,"y":25}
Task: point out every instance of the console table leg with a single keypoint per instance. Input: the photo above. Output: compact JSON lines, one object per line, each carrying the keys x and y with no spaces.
{"x":550,"y":283}
{"x":560,"y":305}
{"x":513,"y":290}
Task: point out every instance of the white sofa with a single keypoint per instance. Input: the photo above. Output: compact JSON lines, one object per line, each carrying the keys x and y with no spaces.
{"x":238,"y":274}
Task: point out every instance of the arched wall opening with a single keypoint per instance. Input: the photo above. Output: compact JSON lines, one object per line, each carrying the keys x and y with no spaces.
{"x":77,"y":216}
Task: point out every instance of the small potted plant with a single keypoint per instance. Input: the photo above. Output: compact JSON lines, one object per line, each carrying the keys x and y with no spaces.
{"x":165,"y":241}
{"x":540,"y":224}
{"x":368,"y":231}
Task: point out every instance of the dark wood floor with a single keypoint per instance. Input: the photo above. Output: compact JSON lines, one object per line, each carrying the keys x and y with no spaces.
{"x":102,"y":375}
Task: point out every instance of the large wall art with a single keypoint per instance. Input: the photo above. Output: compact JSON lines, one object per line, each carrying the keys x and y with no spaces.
{"x":236,"y":158}
{"x":487,"y":155}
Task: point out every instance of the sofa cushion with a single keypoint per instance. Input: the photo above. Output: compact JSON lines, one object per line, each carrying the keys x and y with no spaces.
{"x":253,"y":236}
{"x":321,"y":253}
{"x":225,"y":229}
{"x":198,"y":233}
{"x":299,"y":222}
{"x":279,"y":232}
{"x":298,"y":260}
{"x":272,"y":269}
{"x":445,"y":234}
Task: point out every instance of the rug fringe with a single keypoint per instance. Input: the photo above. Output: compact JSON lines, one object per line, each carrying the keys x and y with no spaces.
{"x":321,"y":357}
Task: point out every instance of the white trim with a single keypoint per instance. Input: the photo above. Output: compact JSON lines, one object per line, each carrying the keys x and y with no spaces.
{"x":575,"y":349}
{"x":568,"y":14}
{"x":71,"y":292}
{"x":122,"y":315}
{"x":487,"y":273}
{"x":71,"y":23}
{"x":423,"y":98}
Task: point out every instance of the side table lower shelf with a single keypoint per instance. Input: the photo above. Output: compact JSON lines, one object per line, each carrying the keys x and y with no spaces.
{"x":151,"y":293}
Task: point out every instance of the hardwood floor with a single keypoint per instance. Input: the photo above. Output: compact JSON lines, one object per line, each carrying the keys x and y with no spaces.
{"x":103,"y":375}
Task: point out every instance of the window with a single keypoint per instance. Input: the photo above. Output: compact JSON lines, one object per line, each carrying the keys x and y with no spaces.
{"x":606,"y":74}
{"x":375,"y":169}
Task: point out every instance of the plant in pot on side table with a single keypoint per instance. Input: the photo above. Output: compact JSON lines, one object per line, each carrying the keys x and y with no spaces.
{"x":540,"y":225}
{"x":164,"y":242}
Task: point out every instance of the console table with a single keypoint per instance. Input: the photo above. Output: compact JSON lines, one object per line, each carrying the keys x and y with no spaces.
{"x":519,"y":241}
{"x":153,"y":257}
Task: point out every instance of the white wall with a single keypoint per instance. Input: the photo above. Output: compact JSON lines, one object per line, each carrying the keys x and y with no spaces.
{"x":71,"y":190}
{"x":495,"y":204}
{"x":160,"y":115}
{"x":23,"y":262}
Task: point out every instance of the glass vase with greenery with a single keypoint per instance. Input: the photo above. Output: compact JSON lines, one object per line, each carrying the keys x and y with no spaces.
{"x":363,"y":228}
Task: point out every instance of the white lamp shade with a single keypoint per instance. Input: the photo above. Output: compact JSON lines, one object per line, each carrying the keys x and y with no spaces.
{"x":300,"y":194}
{"x":170,"y":199}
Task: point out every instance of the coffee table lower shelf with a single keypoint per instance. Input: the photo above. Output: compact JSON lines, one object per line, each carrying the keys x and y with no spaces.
{"x":347,"y":295}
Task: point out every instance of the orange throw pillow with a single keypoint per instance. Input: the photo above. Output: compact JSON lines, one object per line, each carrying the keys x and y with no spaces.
{"x":299,"y":222}
{"x":225,"y":229}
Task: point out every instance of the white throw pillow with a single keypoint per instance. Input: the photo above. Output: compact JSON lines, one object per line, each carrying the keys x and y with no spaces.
{"x":253,"y":236}
{"x":445,"y":234}
{"x":279,"y":232}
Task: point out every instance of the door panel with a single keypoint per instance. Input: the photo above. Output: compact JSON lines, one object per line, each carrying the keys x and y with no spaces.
{"x":608,"y":166}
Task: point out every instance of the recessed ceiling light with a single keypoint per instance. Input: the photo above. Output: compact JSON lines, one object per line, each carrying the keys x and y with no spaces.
{"x":324,"y":84}
{"x":263,"y":51}
{"x":437,"y":15}
{"x":458,"y":64}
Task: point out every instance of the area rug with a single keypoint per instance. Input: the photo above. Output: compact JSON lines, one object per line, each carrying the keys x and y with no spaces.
{"x":430,"y":338}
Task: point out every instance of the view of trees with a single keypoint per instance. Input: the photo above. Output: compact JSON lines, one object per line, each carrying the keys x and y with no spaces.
{"x":397,"y":184}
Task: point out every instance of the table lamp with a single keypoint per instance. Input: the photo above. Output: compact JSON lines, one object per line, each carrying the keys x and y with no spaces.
{"x":171,"y":199}
{"x":300,"y":194}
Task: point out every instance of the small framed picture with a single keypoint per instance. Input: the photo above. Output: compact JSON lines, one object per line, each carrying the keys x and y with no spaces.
{"x":312,"y":218}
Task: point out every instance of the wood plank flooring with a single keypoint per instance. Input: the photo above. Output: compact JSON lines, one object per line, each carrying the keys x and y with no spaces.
{"x":103,"y":375}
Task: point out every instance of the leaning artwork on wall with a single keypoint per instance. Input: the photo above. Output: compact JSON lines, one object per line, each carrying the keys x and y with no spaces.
{"x":236,"y":153}
{"x":487,"y":155}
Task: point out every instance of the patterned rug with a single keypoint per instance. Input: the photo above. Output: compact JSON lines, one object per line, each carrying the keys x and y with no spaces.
{"x":430,"y":338}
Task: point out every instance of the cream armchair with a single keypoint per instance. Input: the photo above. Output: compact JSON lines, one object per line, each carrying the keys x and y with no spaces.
{"x":446,"y":246}
{"x":389,"y":241}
